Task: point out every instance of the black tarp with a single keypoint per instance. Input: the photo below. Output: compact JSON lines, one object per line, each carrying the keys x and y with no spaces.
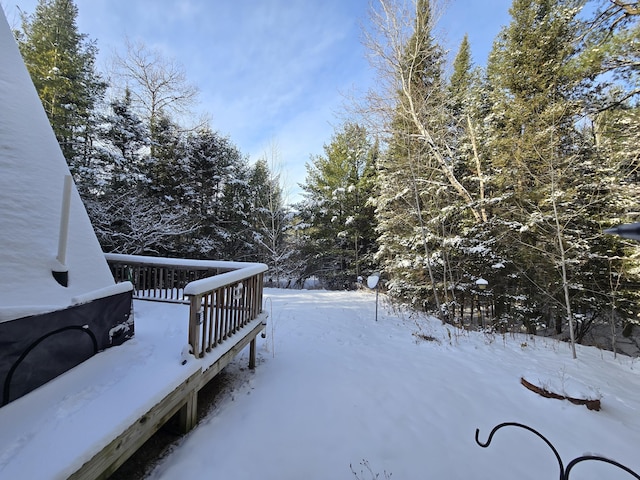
{"x":38,"y":348}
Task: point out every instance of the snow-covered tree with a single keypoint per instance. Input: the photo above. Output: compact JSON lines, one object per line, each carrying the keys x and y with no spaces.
{"x":61,"y":62}
{"x":270,"y":216}
{"x":136,"y":225}
{"x":120,"y":150}
{"x":419,"y":179}
{"x":337,"y":220}
{"x":215,"y":194}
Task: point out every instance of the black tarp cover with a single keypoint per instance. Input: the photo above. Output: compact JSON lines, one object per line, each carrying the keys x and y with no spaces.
{"x":36,"y":349}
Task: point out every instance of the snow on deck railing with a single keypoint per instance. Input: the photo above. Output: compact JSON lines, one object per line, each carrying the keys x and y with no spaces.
{"x":223,"y":296}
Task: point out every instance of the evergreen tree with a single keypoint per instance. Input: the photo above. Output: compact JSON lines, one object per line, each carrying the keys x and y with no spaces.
{"x":615,"y":139}
{"x":337,"y":218}
{"x":121,"y":149}
{"x":461,"y":79}
{"x":214,"y":191}
{"x":418,"y":178}
{"x":235,"y":220}
{"x":124,"y":204}
{"x":542,"y":165}
{"x":468,"y":246}
{"x":168,"y":163}
{"x":610,"y":53}
{"x":511,"y":182}
{"x":61,"y":62}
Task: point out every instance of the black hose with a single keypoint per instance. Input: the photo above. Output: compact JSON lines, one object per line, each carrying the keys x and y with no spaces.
{"x":7,"y":381}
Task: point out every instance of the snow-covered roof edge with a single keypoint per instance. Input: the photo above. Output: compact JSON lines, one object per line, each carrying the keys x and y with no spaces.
{"x":32,"y":172}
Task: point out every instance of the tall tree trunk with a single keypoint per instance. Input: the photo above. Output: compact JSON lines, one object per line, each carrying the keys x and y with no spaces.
{"x":427,"y":253}
{"x":563,"y":265}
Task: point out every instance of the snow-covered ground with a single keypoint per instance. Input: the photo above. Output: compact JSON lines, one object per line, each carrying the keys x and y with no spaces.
{"x":336,"y":392}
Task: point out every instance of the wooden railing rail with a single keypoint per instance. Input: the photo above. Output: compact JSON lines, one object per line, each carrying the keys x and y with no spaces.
{"x":162,"y":279}
{"x":218,"y":311}
{"x":223,"y":296}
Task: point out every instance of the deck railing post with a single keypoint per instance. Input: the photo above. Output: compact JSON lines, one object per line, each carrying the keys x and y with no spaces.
{"x":195,"y":315}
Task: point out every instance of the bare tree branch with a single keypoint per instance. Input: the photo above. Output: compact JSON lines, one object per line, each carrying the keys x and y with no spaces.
{"x":157,"y":84}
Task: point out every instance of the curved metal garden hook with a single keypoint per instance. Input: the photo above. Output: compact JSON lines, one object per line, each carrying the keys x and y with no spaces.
{"x":520,"y":425}
{"x":573,"y":462}
{"x":564,"y":474}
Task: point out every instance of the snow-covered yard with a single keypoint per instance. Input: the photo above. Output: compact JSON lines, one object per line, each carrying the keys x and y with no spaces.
{"x":336,"y":395}
{"x":336,"y":391}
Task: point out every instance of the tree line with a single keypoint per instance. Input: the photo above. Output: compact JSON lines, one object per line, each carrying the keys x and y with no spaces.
{"x":502,"y":176}
{"x":155,"y":178}
{"x":446,"y":174}
{"x":510,"y":173}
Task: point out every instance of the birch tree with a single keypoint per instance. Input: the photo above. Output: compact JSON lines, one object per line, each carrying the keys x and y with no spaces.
{"x":423,"y":193}
{"x":270,"y":215}
{"x":409,"y":66}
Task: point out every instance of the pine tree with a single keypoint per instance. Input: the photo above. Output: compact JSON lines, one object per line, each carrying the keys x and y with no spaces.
{"x":468,"y":246}
{"x":61,"y":62}
{"x":615,"y":140}
{"x":120,"y":149}
{"x":461,"y":79}
{"x":214,"y":191}
{"x":167,"y":162}
{"x":417,"y":173}
{"x":610,"y":53}
{"x":337,"y":218}
{"x":536,"y":152}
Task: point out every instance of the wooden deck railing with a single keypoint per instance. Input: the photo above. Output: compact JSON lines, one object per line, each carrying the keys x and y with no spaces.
{"x":223,"y":296}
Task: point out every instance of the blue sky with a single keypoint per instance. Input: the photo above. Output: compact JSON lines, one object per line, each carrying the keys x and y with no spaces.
{"x":270,"y":72}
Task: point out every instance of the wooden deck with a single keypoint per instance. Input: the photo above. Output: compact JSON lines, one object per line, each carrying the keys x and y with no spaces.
{"x":183,"y":400}
{"x":91,"y":419}
{"x":95,"y":416}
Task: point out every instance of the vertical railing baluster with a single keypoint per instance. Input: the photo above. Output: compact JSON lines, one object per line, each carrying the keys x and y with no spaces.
{"x":245,"y":298}
{"x":155,"y":281}
{"x":216,"y":335}
{"x":227,"y":311}
{"x":252,"y":309}
{"x":221,"y":300}
{"x":211,"y":338}
{"x":235,"y":305}
{"x":254,"y":296}
{"x":205,"y":322}
{"x":260,"y":292}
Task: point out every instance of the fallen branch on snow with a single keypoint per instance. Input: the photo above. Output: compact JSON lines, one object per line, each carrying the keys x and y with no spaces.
{"x":590,"y":404}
